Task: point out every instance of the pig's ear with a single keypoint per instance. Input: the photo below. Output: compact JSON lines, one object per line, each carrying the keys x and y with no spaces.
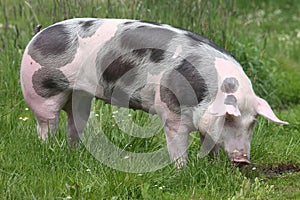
{"x":225,"y":105}
{"x":231,"y":106}
{"x":264,"y":109}
{"x":232,"y":110}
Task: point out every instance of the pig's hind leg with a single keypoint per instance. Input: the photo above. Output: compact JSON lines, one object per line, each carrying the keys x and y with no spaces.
{"x":78,"y":110}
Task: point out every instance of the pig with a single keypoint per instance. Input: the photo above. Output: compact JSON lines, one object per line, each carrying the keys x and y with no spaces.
{"x":189,"y":81}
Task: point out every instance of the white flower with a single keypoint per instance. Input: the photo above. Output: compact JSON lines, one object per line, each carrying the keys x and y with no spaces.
{"x":161,"y":187}
{"x":260,"y":13}
{"x":23,"y":118}
{"x":277,"y":12}
{"x":298,"y":33}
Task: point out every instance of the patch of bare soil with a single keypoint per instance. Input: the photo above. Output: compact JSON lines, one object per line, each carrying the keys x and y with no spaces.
{"x":280,"y":169}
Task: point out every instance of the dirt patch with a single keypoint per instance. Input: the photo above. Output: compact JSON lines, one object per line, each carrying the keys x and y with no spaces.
{"x":280,"y":169}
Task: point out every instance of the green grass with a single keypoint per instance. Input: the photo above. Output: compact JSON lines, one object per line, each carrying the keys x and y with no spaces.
{"x":263,"y":35}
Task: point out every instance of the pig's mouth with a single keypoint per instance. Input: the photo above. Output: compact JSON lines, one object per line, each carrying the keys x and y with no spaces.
{"x":239,"y":157}
{"x":241,"y":160}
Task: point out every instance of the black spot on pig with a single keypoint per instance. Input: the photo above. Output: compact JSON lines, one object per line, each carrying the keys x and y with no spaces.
{"x":48,"y":82}
{"x":140,"y":52}
{"x":170,"y":98}
{"x":135,"y":101}
{"x":230,"y":100}
{"x":196,"y":81}
{"x":230,"y":85}
{"x":157,"y":55}
{"x":89,"y":28}
{"x":183,"y":86}
{"x":196,"y":39}
{"x":152,"y":23}
{"x":117,"y":69}
{"x":53,"y":40}
{"x":87,"y":24}
{"x":117,"y":96}
{"x":122,"y":98}
{"x":54,"y":47}
{"x":146,"y":38}
{"x":128,"y":23}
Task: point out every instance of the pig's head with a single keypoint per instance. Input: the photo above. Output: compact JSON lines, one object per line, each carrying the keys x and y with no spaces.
{"x":231,"y":117}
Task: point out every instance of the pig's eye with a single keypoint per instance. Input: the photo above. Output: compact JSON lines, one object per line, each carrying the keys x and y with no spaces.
{"x":252,"y":124}
{"x":229,"y":118}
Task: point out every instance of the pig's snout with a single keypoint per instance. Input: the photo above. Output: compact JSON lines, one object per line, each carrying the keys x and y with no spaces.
{"x":239,"y":157}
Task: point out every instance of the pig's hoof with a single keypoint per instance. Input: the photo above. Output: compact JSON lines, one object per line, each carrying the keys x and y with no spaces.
{"x":179,"y":164}
{"x":74,"y":143}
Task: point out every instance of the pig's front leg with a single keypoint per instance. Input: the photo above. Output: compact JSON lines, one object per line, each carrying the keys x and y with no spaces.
{"x":177,"y":141}
{"x":47,"y":126}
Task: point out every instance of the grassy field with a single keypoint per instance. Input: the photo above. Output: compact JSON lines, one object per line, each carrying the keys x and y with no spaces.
{"x":264,"y":36}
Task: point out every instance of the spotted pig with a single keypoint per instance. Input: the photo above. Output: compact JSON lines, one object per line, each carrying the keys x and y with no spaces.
{"x":189,"y":81}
